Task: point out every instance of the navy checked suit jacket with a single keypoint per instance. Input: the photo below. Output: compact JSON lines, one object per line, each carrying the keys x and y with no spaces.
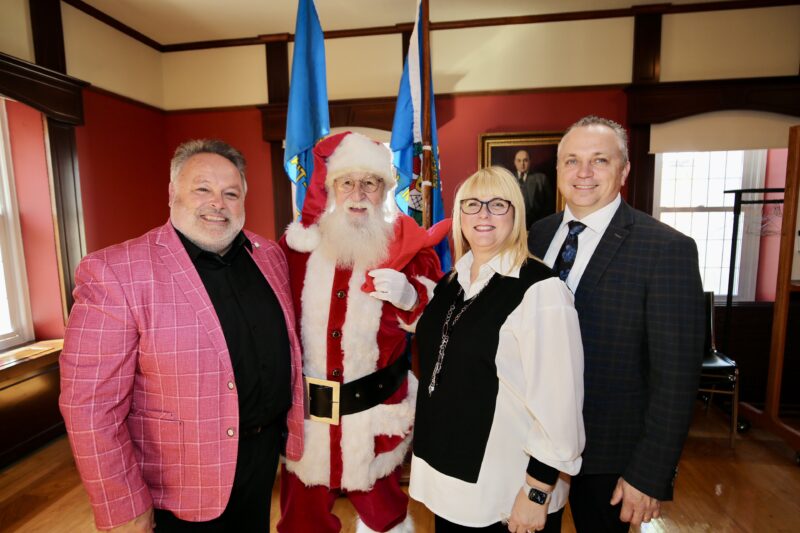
{"x":640,"y":306}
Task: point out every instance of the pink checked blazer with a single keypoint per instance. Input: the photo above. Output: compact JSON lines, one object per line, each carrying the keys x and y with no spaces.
{"x":147,"y":387}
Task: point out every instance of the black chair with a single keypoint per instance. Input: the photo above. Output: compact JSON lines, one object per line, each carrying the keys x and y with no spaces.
{"x":719,"y":375}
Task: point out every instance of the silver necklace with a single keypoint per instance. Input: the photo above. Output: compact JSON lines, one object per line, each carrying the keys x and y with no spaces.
{"x":446,"y":336}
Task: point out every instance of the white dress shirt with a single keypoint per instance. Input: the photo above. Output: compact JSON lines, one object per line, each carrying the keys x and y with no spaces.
{"x":596,"y":224}
{"x":539,"y":404}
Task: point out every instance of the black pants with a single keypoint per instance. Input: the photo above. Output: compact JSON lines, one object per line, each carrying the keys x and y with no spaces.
{"x":248,"y":508}
{"x":588,"y":499}
{"x":553,"y":525}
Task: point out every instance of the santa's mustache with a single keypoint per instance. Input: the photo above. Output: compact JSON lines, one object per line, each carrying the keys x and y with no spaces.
{"x":362,"y":204}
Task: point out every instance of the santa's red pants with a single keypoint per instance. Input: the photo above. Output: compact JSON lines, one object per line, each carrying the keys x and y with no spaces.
{"x":306,"y":509}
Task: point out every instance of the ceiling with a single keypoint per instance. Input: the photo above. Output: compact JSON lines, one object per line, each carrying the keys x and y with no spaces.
{"x":181,"y":21}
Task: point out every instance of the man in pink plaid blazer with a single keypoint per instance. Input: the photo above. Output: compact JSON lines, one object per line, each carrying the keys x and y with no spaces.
{"x":180,"y":373}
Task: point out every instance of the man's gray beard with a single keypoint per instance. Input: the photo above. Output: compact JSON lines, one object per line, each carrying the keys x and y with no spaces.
{"x":353,"y":245}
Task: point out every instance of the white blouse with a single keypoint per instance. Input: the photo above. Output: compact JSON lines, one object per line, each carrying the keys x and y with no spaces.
{"x":539,"y":404}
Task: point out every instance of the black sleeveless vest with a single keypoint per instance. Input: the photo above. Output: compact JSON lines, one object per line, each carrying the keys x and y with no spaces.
{"x":452,"y":426}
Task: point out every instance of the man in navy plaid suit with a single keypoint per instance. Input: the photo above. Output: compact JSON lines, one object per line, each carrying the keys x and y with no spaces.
{"x":639,"y":299}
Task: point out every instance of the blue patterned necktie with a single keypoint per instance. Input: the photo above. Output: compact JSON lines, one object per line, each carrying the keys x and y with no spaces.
{"x":566,"y":256}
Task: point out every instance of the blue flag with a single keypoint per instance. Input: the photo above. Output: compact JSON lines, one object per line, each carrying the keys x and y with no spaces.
{"x":307,"y":118}
{"x":406,"y":143}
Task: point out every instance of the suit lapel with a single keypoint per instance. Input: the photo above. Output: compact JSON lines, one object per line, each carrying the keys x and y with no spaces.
{"x":612,"y":239}
{"x":177,"y":261}
{"x":545,"y":231}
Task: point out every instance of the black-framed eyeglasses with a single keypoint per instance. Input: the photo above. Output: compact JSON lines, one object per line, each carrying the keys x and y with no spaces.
{"x":368,"y":184}
{"x":495,"y":206}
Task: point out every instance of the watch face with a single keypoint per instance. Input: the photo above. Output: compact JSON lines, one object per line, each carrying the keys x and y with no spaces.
{"x":537,"y":496}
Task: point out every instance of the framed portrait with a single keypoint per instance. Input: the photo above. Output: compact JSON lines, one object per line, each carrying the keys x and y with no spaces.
{"x":531,"y":157}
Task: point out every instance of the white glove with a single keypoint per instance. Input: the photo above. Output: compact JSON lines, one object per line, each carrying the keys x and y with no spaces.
{"x":393,"y":287}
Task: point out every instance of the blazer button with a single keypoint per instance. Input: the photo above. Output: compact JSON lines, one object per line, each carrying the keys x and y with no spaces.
{"x":230,"y":385}
{"x":231,"y":432}
{"x":336,"y":372}
{"x":340,"y":294}
{"x":336,"y":334}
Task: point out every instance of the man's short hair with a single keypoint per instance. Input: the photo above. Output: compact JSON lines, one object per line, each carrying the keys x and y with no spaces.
{"x":207,"y":146}
{"x":593,"y":120}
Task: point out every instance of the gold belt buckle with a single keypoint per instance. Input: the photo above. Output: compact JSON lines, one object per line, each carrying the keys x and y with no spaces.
{"x":334,"y":385}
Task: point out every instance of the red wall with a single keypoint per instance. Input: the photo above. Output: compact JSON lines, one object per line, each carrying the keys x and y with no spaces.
{"x":124,"y":150}
{"x":124,"y":169}
{"x":463,"y":118}
{"x":241,"y":128}
{"x":32,"y":184}
{"x":770,"y":244}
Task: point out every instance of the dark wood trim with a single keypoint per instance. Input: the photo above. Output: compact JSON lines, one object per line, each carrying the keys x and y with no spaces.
{"x":29,"y":404}
{"x":67,"y":195}
{"x":114,"y":23}
{"x":54,"y":94}
{"x":664,"y":9}
{"x":366,"y":112}
{"x":647,"y":48}
{"x":406,"y":38}
{"x":643,"y":165}
{"x":278,"y":93}
{"x":277,"y":71}
{"x":662,"y":102}
{"x":48,"y":38}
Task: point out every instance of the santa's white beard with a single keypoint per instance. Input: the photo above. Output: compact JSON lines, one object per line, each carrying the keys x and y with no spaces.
{"x":355,"y":244}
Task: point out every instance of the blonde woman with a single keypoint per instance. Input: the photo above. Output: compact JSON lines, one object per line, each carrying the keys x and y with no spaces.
{"x":498,"y":425}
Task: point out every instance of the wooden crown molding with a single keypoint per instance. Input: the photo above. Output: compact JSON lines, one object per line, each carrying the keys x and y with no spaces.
{"x":662,"y":102}
{"x":56,"y":95}
{"x":663,"y":9}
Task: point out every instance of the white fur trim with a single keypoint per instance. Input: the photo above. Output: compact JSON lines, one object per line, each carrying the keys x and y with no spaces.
{"x":314,"y":468}
{"x":301,"y":238}
{"x":357,"y":153}
{"x":360,"y":330}
{"x":406,"y":526}
{"x":429,"y":285}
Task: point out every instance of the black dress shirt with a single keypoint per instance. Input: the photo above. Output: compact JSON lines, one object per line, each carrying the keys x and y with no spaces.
{"x":255,"y":330}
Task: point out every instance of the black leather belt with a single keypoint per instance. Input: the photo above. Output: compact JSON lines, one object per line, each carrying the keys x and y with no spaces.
{"x":331,"y":400}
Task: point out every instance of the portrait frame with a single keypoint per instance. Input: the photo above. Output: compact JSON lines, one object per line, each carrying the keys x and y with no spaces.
{"x":542,"y":146}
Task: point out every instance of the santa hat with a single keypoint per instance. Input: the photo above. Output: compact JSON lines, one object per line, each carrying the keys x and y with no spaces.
{"x":336,"y":156}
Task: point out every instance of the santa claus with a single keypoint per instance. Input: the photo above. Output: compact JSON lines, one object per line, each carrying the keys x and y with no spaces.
{"x":361,"y":274}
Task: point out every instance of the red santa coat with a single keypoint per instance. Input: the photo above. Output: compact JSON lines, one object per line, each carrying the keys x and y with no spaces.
{"x":347,"y":334}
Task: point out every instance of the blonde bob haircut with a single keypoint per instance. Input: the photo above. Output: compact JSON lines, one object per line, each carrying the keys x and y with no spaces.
{"x":494,"y":182}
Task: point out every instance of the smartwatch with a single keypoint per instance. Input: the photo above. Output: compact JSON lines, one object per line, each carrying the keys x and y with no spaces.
{"x":536,"y":495}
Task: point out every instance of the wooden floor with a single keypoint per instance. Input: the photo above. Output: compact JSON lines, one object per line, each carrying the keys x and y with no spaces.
{"x":753,"y":488}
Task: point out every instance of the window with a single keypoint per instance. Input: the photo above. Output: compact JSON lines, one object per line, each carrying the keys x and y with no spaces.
{"x":689,"y":195}
{"x":15,"y":316}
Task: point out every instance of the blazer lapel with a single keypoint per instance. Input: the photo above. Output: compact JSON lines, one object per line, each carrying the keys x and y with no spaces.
{"x":177,"y":261}
{"x":612,"y":239}
{"x":545,"y":230}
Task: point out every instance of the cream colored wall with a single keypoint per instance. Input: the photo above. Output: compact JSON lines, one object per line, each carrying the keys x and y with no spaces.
{"x":741,"y":43}
{"x":363,"y":67}
{"x":15,"y":29}
{"x":722,"y":130}
{"x":217,"y":77}
{"x":558,"y":54}
{"x":110,"y":59}
{"x":720,"y":44}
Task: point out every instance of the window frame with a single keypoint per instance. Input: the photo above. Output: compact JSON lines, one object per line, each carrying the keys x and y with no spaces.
{"x":753,"y":176}
{"x":13,"y":256}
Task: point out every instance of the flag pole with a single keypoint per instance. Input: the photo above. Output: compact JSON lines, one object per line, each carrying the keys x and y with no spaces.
{"x":426,"y":172}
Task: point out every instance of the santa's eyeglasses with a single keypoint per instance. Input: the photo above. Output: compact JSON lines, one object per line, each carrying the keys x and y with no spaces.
{"x":496,"y":206}
{"x":367,"y":185}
